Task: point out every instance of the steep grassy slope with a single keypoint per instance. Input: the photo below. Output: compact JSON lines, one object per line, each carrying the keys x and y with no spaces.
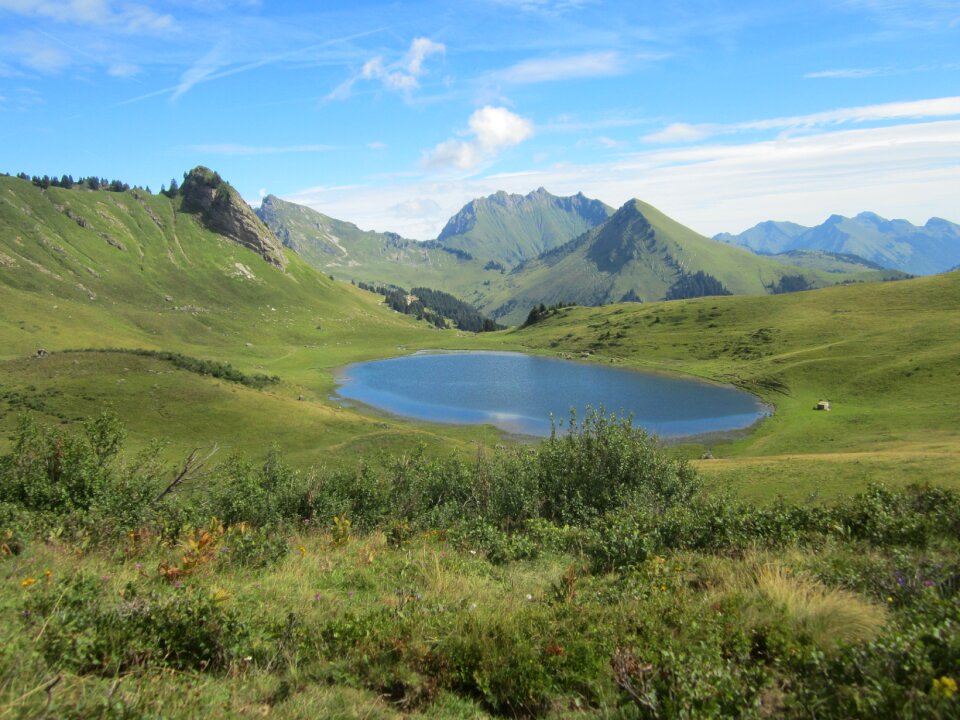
{"x":82,"y":269}
{"x":640,"y":253}
{"x":885,"y":354}
{"x":509,"y":228}
{"x":349,"y":253}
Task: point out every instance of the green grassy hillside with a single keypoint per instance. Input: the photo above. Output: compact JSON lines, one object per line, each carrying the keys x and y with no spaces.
{"x":82,"y":269}
{"x":349,"y":253}
{"x":641,"y":253}
{"x":885,"y":355}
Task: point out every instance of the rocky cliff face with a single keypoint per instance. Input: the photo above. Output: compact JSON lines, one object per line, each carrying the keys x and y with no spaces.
{"x":222,"y":210}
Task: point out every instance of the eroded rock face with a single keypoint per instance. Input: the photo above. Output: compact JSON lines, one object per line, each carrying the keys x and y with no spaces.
{"x":222,"y":210}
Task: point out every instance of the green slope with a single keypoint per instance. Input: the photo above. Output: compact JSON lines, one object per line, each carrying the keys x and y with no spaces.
{"x":349,"y":253}
{"x":81,"y":269}
{"x":640,"y":252}
{"x":509,"y":228}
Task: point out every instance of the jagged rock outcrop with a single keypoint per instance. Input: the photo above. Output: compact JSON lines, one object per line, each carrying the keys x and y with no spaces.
{"x":223,"y":211}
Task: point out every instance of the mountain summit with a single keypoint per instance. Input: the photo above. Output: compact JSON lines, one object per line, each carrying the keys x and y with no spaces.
{"x":223,"y":211}
{"x":509,"y":228}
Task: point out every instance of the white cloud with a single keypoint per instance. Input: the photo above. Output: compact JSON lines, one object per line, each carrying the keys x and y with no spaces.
{"x":493,"y":129}
{"x":909,"y":170}
{"x":420,"y":49}
{"x":401,"y":76}
{"x":912,"y":110}
{"x":586,"y":65}
{"x":679,"y":133}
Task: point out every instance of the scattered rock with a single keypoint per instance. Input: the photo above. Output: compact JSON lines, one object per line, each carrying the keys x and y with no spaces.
{"x":40,"y":353}
{"x":301,"y":398}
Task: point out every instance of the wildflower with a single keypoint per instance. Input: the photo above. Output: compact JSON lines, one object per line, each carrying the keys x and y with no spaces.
{"x":945,"y":687}
{"x":889,"y":598}
{"x":48,"y":573}
{"x":317,"y":596}
{"x":663,"y":587}
{"x":529,"y":598}
{"x":27,"y":582}
{"x":303,"y":551}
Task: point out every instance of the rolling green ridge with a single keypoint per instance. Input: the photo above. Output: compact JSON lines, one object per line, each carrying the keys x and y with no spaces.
{"x":640,"y":253}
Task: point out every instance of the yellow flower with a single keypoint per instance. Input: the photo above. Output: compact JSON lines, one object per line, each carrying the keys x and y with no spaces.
{"x":27,"y":582}
{"x":303,"y":551}
{"x":889,"y":598}
{"x":47,"y":573}
{"x":945,"y":687}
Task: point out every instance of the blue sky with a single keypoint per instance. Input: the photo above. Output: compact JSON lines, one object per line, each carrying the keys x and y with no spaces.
{"x":394,"y":114}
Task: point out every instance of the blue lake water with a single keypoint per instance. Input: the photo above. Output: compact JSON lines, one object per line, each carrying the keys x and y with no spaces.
{"x":519,"y":393}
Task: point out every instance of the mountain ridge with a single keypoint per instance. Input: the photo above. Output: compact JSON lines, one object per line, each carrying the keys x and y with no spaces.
{"x":897,"y":244}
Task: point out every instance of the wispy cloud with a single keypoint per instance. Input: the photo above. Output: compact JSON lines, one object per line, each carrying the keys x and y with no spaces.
{"x":586,"y":65}
{"x":917,"y":109}
{"x":236,"y":149}
{"x":36,"y":52}
{"x":847,"y":73}
{"x":910,"y":170}
{"x":200,"y":73}
{"x":549,"y":7}
{"x":402,"y":75}
{"x":131,"y":17}
{"x":493,"y":129}
{"x":123,"y":70}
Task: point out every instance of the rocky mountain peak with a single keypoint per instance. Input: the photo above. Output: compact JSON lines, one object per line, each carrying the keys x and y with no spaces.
{"x":222,"y":210}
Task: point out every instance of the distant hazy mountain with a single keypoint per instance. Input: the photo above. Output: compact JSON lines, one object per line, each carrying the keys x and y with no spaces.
{"x":512,"y":228}
{"x":641,"y":254}
{"x":897,"y":244}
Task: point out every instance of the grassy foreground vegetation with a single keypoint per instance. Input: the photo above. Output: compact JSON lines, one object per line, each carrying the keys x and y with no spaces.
{"x":591,"y":575}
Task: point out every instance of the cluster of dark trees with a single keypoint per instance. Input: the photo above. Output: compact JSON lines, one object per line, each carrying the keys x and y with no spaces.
{"x":698,"y":284}
{"x":789,"y":284}
{"x":67,"y":182}
{"x":93,"y":183}
{"x":541,"y":311}
{"x":434,"y":306}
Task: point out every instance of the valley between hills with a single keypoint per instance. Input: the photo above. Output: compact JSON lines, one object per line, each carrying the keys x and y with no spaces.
{"x":332,"y":558}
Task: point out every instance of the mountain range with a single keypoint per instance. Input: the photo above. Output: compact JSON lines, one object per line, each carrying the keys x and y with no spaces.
{"x":507,"y":253}
{"x":896,"y":244}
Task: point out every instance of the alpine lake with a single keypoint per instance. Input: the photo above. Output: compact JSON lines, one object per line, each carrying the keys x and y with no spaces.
{"x":527,"y":394}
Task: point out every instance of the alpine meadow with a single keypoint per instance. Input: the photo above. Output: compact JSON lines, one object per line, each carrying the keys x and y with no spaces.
{"x":197,"y":522}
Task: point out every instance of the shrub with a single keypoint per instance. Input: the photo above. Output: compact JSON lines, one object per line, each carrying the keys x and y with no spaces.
{"x":87,"y":630}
